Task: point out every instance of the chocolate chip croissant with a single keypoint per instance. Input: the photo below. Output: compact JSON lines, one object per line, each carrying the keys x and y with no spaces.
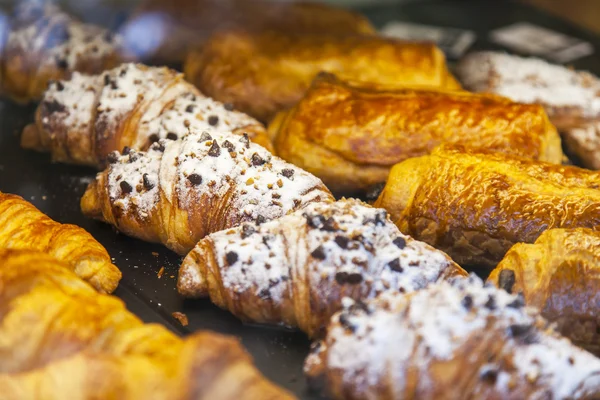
{"x":559,"y":275}
{"x":474,"y":205}
{"x":452,"y":340}
{"x":571,"y":98}
{"x":266,"y":72}
{"x":180,"y":191}
{"x":43,"y":43}
{"x":84,"y":119}
{"x":294,"y":271}
{"x":61,"y":339}
{"x":351,"y":134}
{"x":22,"y":226}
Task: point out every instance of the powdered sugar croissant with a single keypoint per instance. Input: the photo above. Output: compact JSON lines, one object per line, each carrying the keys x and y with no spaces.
{"x":295,"y":270}
{"x":84,"y":119}
{"x":459,"y":340}
{"x":180,"y":191}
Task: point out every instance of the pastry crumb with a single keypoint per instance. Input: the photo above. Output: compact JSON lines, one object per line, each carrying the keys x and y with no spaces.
{"x":161,"y":271}
{"x":155,"y":254}
{"x":181,"y":317}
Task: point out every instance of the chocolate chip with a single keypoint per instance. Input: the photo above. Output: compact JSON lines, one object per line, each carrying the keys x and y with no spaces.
{"x":489,"y":376}
{"x":215,"y":150}
{"x":106,"y":80}
{"x":172,"y":136}
{"x":125,"y":187}
{"x":359,"y":306}
{"x":113,"y":85}
{"x":133,"y":156}
{"x":571,"y":360}
{"x":318,"y":253}
{"x":231,"y":257}
{"x":158,"y":146}
{"x":352,"y":278}
{"x":153,"y":138}
{"x":330,"y":225}
{"x":265,"y":241}
{"x":123,"y":72}
{"x":345,"y":323}
{"x":246,"y":140}
{"x":126,"y":150}
{"x":148,"y":184}
{"x":490,"y":304}
{"x":467,"y":302}
{"x":288,"y":173}
{"x":213,"y":120}
{"x":228,"y":106}
{"x":260,"y":220}
{"x":195,"y":179}
{"x":315,"y":221}
{"x":247,"y":230}
{"x":113,"y":157}
{"x":518,"y":302}
{"x":108,"y":37}
{"x":342,"y":241}
{"x":374,"y":191}
{"x":59,"y":86}
{"x":53,"y":106}
{"x":62,"y":64}
{"x":506,"y":280}
{"x":228,"y":145}
{"x":205,"y":137}
{"x":257,"y":159}
{"x":400,"y":242}
{"x":395,"y":265}
{"x":265,"y":294}
{"x":381,"y":217}
{"x":518,"y":330}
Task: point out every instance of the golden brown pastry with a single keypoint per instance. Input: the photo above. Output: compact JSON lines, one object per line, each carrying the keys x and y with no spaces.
{"x":351,"y":135}
{"x":295,"y":270}
{"x":263,"y":73}
{"x":180,"y":191}
{"x":61,"y":339}
{"x":22,"y":226}
{"x":187,"y":24}
{"x":84,"y":119}
{"x":474,"y":205}
{"x":453,"y":340}
{"x":571,"y":98}
{"x":43,"y":43}
{"x":559,"y":274}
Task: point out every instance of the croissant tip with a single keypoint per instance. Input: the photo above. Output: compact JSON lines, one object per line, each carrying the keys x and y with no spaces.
{"x":191,"y":282}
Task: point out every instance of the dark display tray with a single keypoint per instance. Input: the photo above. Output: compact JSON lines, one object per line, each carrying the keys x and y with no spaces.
{"x":279,"y":354}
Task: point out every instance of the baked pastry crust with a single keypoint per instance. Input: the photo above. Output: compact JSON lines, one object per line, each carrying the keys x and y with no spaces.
{"x":474,"y":205}
{"x":559,"y":275}
{"x":263,"y":73}
{"x":350,"y":135}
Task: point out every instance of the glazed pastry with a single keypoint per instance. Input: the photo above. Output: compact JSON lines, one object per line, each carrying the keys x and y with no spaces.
{"x":180,"y":191}
{"x":351,"y":135}
{"x":263,"y":73}
{"x":60,"y":336}
{"x":559,"y":275}
{"x":453,"y":340}
{"x":84,"y":119}
{"x":474,"y":205}
{"x":295,"y":270}
{"x":43,"y":43}
{"x":187,"y":24}
{"x":571,"y":98}
{"x":22,"y":226}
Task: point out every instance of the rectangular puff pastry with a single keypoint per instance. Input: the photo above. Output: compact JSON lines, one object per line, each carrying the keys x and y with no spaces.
{"x":263,"y":73}
{"x":186,"y":24}
{"x":475,"y":205}
{"x":571,"y":98}
{"x":351,"y":134}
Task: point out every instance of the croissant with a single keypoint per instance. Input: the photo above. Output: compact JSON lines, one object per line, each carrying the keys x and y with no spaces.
{"x":474,"y":205}
{"x":452,"y":340}
{"x":571,"y":98}
{"x":263,"y":73}
{"x":294,"y":271}
{"x":61,"y":339}
{"x":22,"y":226}
{"x":351,"y":135}
{"x":180,"y":191}
{"x":187,"y":24}
{"x":83,"y":120}
{"x":559,"y":275}
{"x":44,"y":43}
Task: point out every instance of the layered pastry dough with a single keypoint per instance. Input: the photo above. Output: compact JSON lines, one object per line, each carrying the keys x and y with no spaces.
{"x":559,"y":274}
{"x":350,"y":135}
{"x":294,"y":271}
{"x":61,"y":339}
{"x":180,"y":191}
{"x":474,"y":205}
{"x":459,"y":340}
{"x":22,"y":226}
{"x":187,"y":24}
{"x":84,"y":119}
{"x":571,"y":98}
{"x":44,"y":43}
{"x":263,"y":73}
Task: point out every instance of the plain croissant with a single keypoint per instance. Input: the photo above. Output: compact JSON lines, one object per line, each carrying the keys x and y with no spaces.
{"x":22,"y":226}
{"x":295,"y":270}
{"x":180,"y":191}
{"x":84,"y":119}
{"x":453,"y":340}
{"x":61,"y":339}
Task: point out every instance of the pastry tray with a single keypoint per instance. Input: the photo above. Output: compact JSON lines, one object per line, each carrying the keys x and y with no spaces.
{"x":150,"y":271}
